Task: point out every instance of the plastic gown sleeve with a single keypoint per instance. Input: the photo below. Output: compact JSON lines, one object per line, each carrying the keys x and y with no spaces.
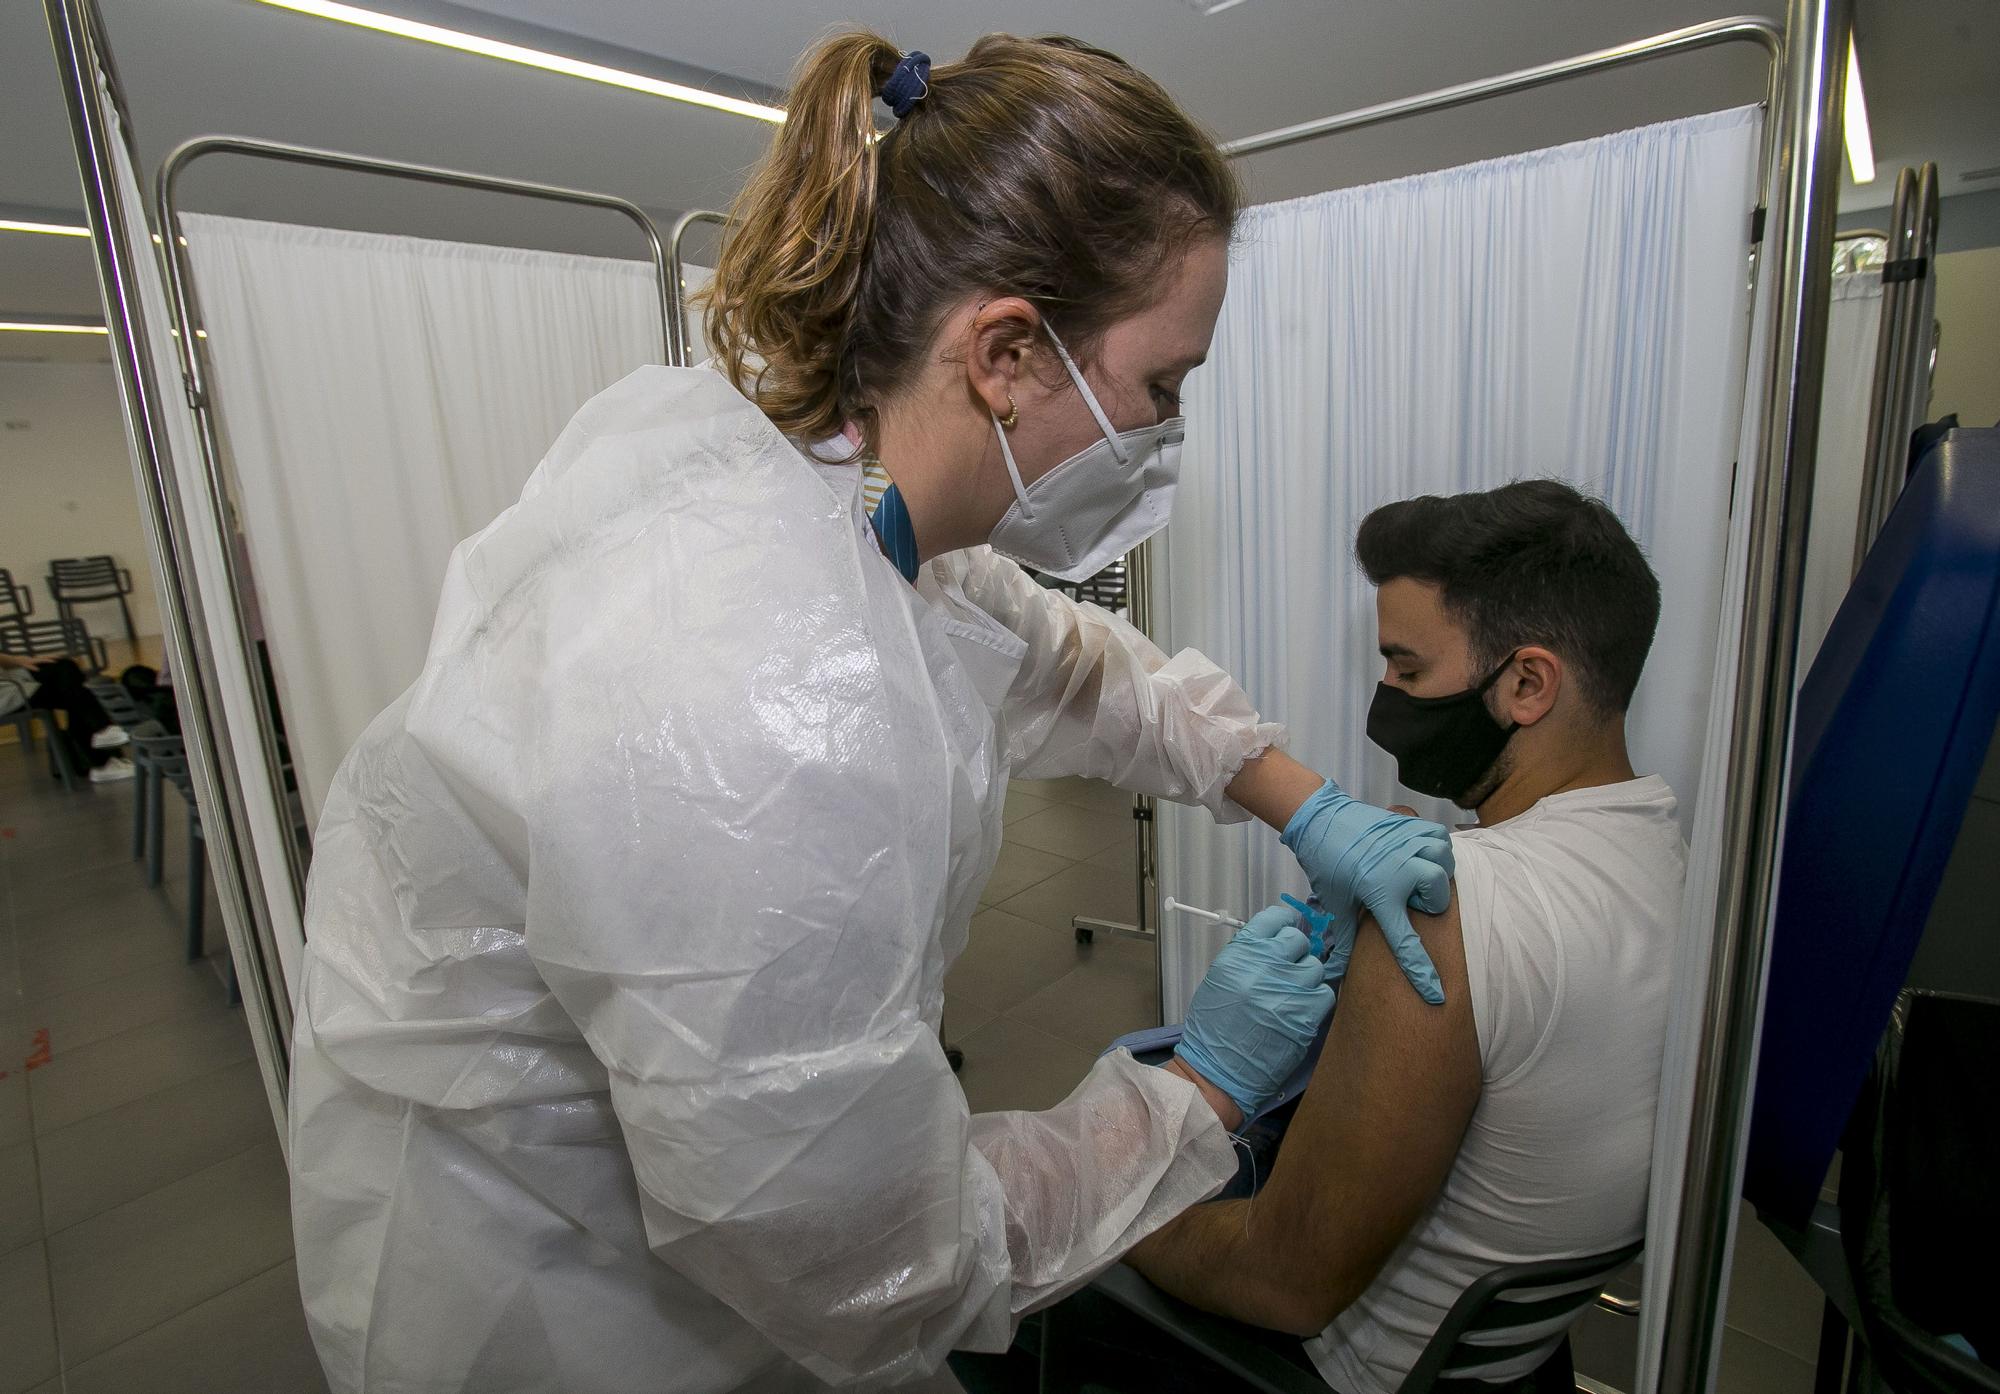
{"x":1097,"y":698}
{"x":738,"y":863}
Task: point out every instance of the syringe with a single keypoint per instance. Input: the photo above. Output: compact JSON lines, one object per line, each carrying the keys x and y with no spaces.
{"x":1170,"y":904}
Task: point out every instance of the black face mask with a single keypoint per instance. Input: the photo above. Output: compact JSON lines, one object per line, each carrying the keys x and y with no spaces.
{"x":1442,"y":745}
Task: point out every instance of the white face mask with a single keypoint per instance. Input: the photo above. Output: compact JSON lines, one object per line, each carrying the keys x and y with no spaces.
{"x":1098,"y":504}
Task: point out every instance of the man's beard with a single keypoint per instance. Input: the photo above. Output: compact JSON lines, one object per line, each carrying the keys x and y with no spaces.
{"x":1484,"y":787}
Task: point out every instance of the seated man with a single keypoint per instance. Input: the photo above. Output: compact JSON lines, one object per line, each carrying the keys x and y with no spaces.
{"x":1514,"y":1123}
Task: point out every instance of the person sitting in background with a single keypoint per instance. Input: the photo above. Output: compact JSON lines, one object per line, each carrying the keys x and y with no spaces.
{"x":55,"y":683}
{"x":1514,"y":1123}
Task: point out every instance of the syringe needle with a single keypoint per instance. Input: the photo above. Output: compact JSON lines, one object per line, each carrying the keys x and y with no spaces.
{"x":1170,"y":904}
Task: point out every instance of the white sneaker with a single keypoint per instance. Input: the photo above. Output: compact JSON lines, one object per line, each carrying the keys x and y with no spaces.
{"x":112,"y":770}
{"x":110,"y":738}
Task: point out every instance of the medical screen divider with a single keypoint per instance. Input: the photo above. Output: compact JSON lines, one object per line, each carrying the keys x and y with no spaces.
{"x":199,"y":381}
{"x":1790,"y":244}
{"x":214,"y":678}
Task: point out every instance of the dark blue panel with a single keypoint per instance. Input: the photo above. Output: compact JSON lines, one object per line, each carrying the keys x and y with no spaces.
{"x":1892,"y":724}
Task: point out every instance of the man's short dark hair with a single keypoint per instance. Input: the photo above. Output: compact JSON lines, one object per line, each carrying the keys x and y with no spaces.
{"x":1532,"y":562}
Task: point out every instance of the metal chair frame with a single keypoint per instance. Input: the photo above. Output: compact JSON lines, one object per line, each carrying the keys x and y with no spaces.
{"x":94,"y":580}
{"x":17,"y":601}
{"x":1535,"y":1303}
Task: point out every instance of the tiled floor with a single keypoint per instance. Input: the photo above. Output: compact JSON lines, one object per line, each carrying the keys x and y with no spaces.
{"x":1030,"y":1007}
{"x":144,"y":1239}
{"x":145,"y":1242}
{"x":1771,"y":1337}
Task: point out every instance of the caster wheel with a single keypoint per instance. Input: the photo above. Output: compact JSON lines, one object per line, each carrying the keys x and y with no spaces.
{"x":955,"y":1058}
{"x":1085,"y":936}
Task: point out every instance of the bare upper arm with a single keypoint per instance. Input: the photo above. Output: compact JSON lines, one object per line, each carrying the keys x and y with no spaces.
{"x":1380,"y":1125}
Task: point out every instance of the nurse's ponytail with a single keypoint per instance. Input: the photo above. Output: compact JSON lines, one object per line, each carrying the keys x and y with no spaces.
{"x":1034,"y":167}
{"x":785,"y":284}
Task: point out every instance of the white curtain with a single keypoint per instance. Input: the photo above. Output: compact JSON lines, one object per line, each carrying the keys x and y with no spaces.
{"x":382,"y":398}
{"x":1580,"y":312}
{"x":1854,"y":320}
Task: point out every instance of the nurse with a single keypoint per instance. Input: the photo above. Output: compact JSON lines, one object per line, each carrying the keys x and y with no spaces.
{"x":617,"y":1064}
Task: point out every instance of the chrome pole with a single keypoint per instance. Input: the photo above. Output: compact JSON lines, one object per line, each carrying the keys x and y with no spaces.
{"x":1145,"y":923}
{"x":1739,"y":29}
{"x":1902,"y":357}
{"x":187,"y":339}
{"x":676,"y":271}
{"x":83,"y":70}
{"x":1886,"y":393}
{"x":1923,"y":349}
{"x":1799,"y":245}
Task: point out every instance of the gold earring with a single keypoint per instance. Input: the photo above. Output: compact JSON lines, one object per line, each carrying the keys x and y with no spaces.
{"x":1013,"y":416}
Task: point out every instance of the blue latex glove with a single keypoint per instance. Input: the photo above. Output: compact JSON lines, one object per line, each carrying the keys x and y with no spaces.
{"x":1256,"y":1011}
{"x":1359,"y":856}
{"x":1331,"y":935}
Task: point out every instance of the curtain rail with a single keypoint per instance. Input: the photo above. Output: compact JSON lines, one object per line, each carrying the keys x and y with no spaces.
{"x":167,"y":209}
{"x":677,"y":269}
{"x":1739,"y":29}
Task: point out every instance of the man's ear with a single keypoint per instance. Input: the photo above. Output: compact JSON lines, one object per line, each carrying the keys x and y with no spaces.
{"x":999,"y":342}
{"x":1528,"y":690}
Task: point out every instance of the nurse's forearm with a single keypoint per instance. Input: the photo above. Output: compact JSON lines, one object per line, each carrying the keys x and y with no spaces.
{"x":1272,"y":787}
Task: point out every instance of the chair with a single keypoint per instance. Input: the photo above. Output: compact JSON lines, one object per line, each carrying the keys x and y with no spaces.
{"x":158,"y":756}
{"x":119,"y":705}
{"x":163,"y":760}
{"x":23,"y":720}
{"x":16,"y":600}
{"x":176,"y":772}
{"x":1511,"y":1312}
{"x":1107,"y":588}
{"x":87,"y":580}
{"x":25,"y":638}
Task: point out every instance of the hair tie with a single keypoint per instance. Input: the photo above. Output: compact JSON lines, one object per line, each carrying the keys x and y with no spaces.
{"x":909,"y":84}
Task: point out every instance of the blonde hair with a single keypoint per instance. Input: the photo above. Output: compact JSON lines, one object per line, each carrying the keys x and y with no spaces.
{"x":1041,"y":168}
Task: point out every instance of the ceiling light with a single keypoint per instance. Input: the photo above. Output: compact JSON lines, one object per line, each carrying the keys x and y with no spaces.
{"x":30,"y":326}
{"x":527,"y":57}
{"x":54,"y":229}
{"x":1860,"y":149}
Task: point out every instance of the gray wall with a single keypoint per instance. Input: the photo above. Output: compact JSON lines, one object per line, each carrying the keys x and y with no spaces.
{"x":1965,"y":221}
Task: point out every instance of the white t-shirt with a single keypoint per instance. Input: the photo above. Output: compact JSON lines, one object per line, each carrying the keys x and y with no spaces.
{"x":1569,"y":914}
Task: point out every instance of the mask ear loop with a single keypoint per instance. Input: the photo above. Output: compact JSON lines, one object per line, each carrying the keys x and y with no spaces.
{"x":1013,"y":471}
{"x":1089,"y":397}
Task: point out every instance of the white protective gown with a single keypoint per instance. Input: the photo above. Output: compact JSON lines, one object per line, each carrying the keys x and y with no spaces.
{"x":617,"y":1065}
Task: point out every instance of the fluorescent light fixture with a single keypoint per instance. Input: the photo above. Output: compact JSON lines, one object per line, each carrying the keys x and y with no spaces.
{"x":53,"y":229}
{"x":1860,"y":149}
{"x":527,"y":57}
{"x":29,"y":326}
